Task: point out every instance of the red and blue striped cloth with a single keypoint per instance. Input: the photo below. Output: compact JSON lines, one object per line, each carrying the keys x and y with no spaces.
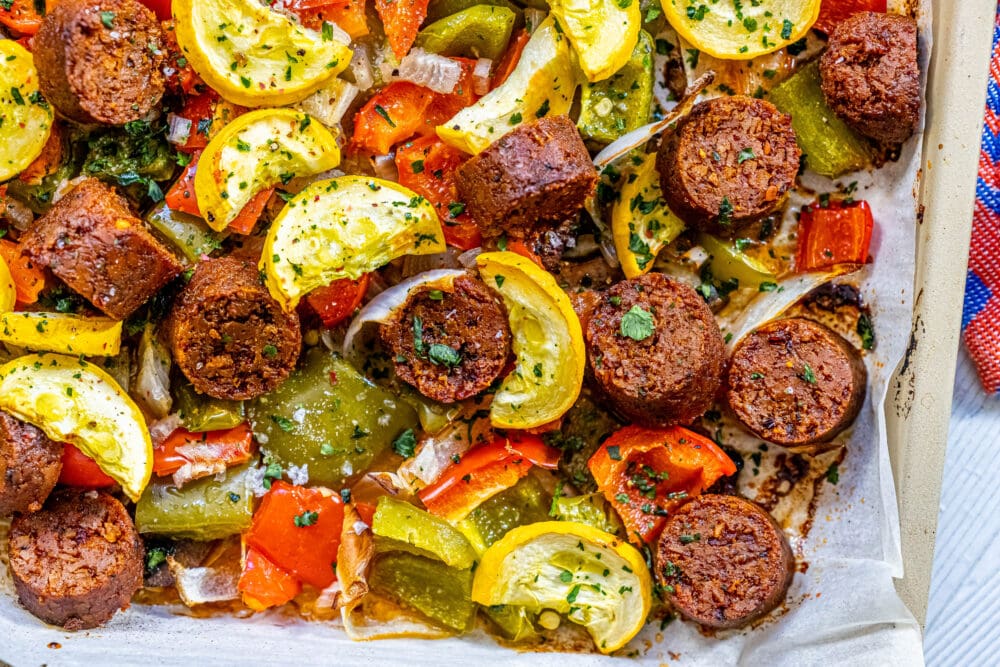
{"x":981,"y":311}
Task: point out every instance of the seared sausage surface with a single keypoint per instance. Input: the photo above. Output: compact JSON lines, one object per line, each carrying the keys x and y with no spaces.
{"x":76,"y":561}
{"x":795,"y":382}
{"x":723,"y":561}
{"x":30,"y":464}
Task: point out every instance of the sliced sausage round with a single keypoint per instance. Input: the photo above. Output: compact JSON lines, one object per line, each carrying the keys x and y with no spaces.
{"x":229,"y":337}
{"x":795,"y":382}
{"x":723,"y":561}
{"x":539,"y":172}
{"x":871,"y":77}
{"x":655,"y":350}
{"x":449,"y":344}
{"x":76,"y":561}
{"x":30,"y":464}
{"x":730,"y":162}
{"x":99,"y":61}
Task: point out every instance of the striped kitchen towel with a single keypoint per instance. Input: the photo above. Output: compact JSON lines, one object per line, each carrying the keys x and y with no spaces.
{"x":981,"y":312}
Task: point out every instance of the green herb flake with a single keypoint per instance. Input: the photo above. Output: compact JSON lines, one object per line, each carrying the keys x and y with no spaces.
{"x":637,"y":324}
{"x":405,"y":444}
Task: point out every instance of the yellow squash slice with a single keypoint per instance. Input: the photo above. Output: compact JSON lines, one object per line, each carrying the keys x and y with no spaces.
{"x":741,"y":30}
{"x":8,"y":292}
{"x":253,"y":55}
{"x":603,"y":32}
{"x":641,"y":223}
{"x":594,"y":578}
{"x":548,"y":343}
{"x":74,"y":401}
{"x":254,"y":152}
{"x":25,"y":118}
{"x":62,"y":332}
{"x":343,"y":228}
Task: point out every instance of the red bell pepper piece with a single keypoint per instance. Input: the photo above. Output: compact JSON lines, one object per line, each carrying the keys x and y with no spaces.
{"x":349,"y":15}
{"x":837,"y":233}
{"x":832,"y":12}
{"x":263,"y":584}
{"x":645,"y":473}
{"x":338,"y":300}
{"x":182,"y":447}
{"x":510,"y":58}
{"x":21,"y":16}
{"x":181,"y":76}
{"x":401,"y":19}
{"x":521,"y":248}
{"x":81,"y":471}
{"x":485,"y":471}
{"x":298,"y":529}
{"x":160,"y":7}
{"x":427,"y":166}
{"x":29,"y":280}
{"x":181,"y":197}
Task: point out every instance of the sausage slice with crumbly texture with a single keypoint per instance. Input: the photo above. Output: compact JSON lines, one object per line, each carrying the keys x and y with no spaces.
{"x":729,"y":163}
{"x":655,"y":350}
{"x":228,"y":335}
{"x":30,"y":464}
{"x":796,"y":382}
{"x":723,"y":561}
{"x":450,"y":345}
{"x":538,"y":173}
{"x":91,"y":241}
{"x":76,"y":561}
{"x":100,"y":61}
{"x":871,"y":77}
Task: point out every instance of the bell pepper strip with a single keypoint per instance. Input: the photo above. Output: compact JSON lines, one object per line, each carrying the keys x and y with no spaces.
{"x":510,"y":58}
{"x":628,"y":94}
{"x":209,"y":508}
{"x":208,"y":452}
{"x":427,"y":166}
{"x":298,"y":528}
{"x":349,"y":15}
{"x":647,"y":473}
{"x":485,"y":471}
{"x":401,"y":19}
{"x":160,"y":7}
{"x":837,"y":233}
{"x":263,"y":584}
{"x":337,"y":301}
{"x":29,"y":280}
{"x":21,"y":16}
{"x":521,"y":248}
{"x":247,"y":218}
{"x":81,"y":471}
{"x":833,"y":12}
{"x":200,"y":412}
{"x":48,"y":162}
{"x":181,"y":197}
{"x":480,"y":31}
{"x":65,"y":333}
{"x":399,"y":526}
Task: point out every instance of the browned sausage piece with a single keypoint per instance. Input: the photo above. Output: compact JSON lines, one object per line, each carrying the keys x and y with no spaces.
{"x":76,"y":561}
{"x":229,"y":337}
{"x":870,"y":75}
{"x":730,"y":162}
{"x":723,"y":561}
{"x":99,"y":61}
{"x":796,"y":382}
{"x":540,"y":172}
{"x":655,"y":350}
{"x":450,"y":345}
{"x":30,"y":464}
{"x":91,"y":240}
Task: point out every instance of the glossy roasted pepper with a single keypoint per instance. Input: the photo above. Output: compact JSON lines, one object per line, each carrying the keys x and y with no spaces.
{"x":621,"y":103}
{"x":328,"y":416}
{"x":832,"y":234}
{"x":591,"y":509}
{"x":829,"y":146}
{"x":203,"y":413}
{"x":188,"y":233}
{"x":525,"y":502}
{"x":441,"y":593}
{"x":481,"y":31}
{"x":729,"y":262}
{"x":399,"y":526}
{"x":438,"y":9}
{"x":206,"y":509}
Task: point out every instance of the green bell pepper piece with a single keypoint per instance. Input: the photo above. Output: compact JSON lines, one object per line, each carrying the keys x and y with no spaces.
{"x":438,"y":9}
{"x":831,"y":148}
{"x":591,"y":509}
{"x":728,"y":262}
{"x":443,"y":594}
{"x":188,"y":233}
{"x":205,"y":509}
{"x":203,"y":413}
{"x":481,"y":31}
{"x":622,"y":102}
{"x":398,"y":525}
{"x":327,"y":415}
{"x":514,"y":623}
{"x":525,"y":502}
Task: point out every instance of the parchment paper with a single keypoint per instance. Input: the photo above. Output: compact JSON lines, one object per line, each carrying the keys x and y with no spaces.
{"x":842,"y":609}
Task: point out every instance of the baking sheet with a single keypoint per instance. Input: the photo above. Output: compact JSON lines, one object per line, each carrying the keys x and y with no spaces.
{"x":843,"y":604}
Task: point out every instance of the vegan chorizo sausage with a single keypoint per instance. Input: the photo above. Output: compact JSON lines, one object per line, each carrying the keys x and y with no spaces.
{"x":30,"y":464}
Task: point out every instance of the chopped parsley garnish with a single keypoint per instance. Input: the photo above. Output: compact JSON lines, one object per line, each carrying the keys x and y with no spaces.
{"x":385,"y":114}
{"x":284,"y":423}
{"x":688,"y":539}
{"x":614,"y":453}
{"x":444,"y":355}
{"x":107,"y":20}
{"x":418,"y":336}
{"x":725,"y":212}
{"x":833,"y":473}
{"x":807,"y":374}
{"x":637,"y":324}
{"x":307,"y":518}
{"x":405,"y":444}
{"x":745,"y":154}
{"x":866,"y":331}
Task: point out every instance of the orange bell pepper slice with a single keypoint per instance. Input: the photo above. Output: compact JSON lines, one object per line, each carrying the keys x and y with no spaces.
{"x":298,"y":529}
{"x":21,"y":16}
{"x":338,"y":300}
{"x":401,"y":19}
{"x":832,"y":12}
{"x":349,"y":15}
{"x":263,"y":584}
{"x":646,"y":473}
{"x":48,"y":162}
{"x":485,"y":471}
{"x":510,"y":58}
{"x":837,"y":233}
{"x":182,"y":447}
{"x":29,"y":280}
{"x":181,"y":197}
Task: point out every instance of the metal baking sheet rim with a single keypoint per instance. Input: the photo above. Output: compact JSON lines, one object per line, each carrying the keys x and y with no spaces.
{"x":919,"y":405}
